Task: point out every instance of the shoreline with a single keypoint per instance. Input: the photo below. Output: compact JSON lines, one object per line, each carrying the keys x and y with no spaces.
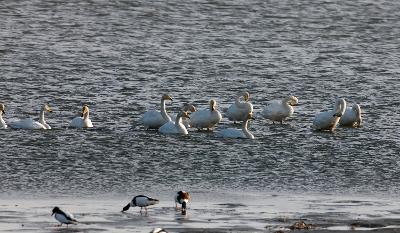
{"x":225,"y":212}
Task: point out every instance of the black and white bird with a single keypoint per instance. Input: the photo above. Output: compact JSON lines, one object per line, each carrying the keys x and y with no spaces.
{"x":158,"y":230}
{"x":63,"y":216}
{"x":141,"y":201}
{"x":182,"y":198}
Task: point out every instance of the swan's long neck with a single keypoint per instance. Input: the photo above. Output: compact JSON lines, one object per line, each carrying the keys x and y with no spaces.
{"x":246,"y":131}
{"x":86,"y":115}
{"x":340,"y":107}
{"x":2,"y":122}
{"x":41,"y":117}
{"x":164,"y":113}
{"x":179,"y":125}
{"x":358,"y":111}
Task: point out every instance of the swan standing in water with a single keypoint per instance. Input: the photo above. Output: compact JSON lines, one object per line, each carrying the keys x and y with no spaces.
{"x":3,"y":124}
{"x":238,"y":111}
{"x":238,"y":133}
{"x":177,"y":128}
{"x":351,"y":117}
{"x":29,"y":123}
{"x":329,"y":119}
{"x":206,"y":118}
{"x":279,"y":110}
{"x":83,"y":121}
{"x":153,"y":119}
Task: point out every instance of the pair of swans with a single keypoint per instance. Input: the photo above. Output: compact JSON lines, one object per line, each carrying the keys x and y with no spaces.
{"x":279,"y":110}
{"x":29,"y":123}
{"x":206,"y":118}
{"x":339,"y":115}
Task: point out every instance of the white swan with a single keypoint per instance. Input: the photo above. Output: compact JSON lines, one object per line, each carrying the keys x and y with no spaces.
{"x":3,"y":124}
{"x":29,"y":123}
{"x":154,"y":119}
{"x":206,"y":118}
{"x":351,"y":117}
{"x":238,"y":133}
{"x":83,"y":121}
{"x":329,"y":119}
{"x":239,"y":110}
{"x":279,"y":110}
{"x":177,"y":128}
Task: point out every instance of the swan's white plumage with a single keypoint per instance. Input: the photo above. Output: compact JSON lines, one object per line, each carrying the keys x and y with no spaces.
{"x":176,"y":127}
{"x":153,"y":119}
{"x":82,"y":121}
{"x":238,"y":111}
{"x":238,"y":133}
{"x":279,"y":110}
{"x":206,"y":118}
{"x":329,"y":119}
{"x":29,"y":123}
{"x":352,"y":116}
{"x":3,"y":124}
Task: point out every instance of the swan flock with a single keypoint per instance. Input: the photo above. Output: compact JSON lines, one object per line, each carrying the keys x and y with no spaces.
{"x":189,"y":117}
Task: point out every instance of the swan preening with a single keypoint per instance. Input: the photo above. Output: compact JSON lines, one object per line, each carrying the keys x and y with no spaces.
{"x":153,"y":119}
{"x":279,"y":110}
{"x":351,"y":117}
{"x":206,"y":118}
{"x":176,"y":127}
{"x":238,"y":111}
{"x":29,"y":123}
{"x":83,"y":121}
{"x":329,"y":119}
{"x":3,"y":124}
{"x":238,"y":133}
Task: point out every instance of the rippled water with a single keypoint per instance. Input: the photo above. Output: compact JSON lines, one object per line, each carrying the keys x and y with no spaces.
{"x":120,"y":56}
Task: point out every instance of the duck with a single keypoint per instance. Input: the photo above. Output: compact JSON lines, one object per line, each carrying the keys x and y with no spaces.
{"x":238,"y":111}
{"x":141,"y":201}
{"x":3,"y":124}
{"x":176,"y":127}
{"x":153,"y":119}
{"x":29,"y":123}
{"x":206,"y":118}
{"x":328,"y":120}
{"x":182,"y":198}
{"x":63,"y":217}
{"x":351,"y":117}
{"x":83,"y":121}
{"x":279,"y":110}
{"x":238,"y":133}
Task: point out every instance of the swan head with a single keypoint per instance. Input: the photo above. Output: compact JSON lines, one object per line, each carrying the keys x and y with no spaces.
{"x":166,"y":97}
{"x":293,"y":101}
{"x":250,"y":116}
{"x":340,"y":107}
{"x":183,"y":115}
{"x":47,"y":108}
{"x":85,"y":110}
{"x":189,"y":107}
{"x":2,"y":108}
{"x":246,"y":96}
{"x":213,"y":105}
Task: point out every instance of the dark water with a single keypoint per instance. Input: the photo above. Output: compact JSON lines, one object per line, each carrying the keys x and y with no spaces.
{"x":121,"y":56}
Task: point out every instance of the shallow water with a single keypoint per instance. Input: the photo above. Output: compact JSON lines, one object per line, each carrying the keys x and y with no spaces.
{"x":120,"y":57}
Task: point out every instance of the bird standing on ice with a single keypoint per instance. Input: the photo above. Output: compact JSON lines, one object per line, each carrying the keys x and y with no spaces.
{"x":182,"y":198}
{"x":279,"y":110}
{"x":329,"y":119}
{"x":63,"y":216}
{"x":141,"y":201}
